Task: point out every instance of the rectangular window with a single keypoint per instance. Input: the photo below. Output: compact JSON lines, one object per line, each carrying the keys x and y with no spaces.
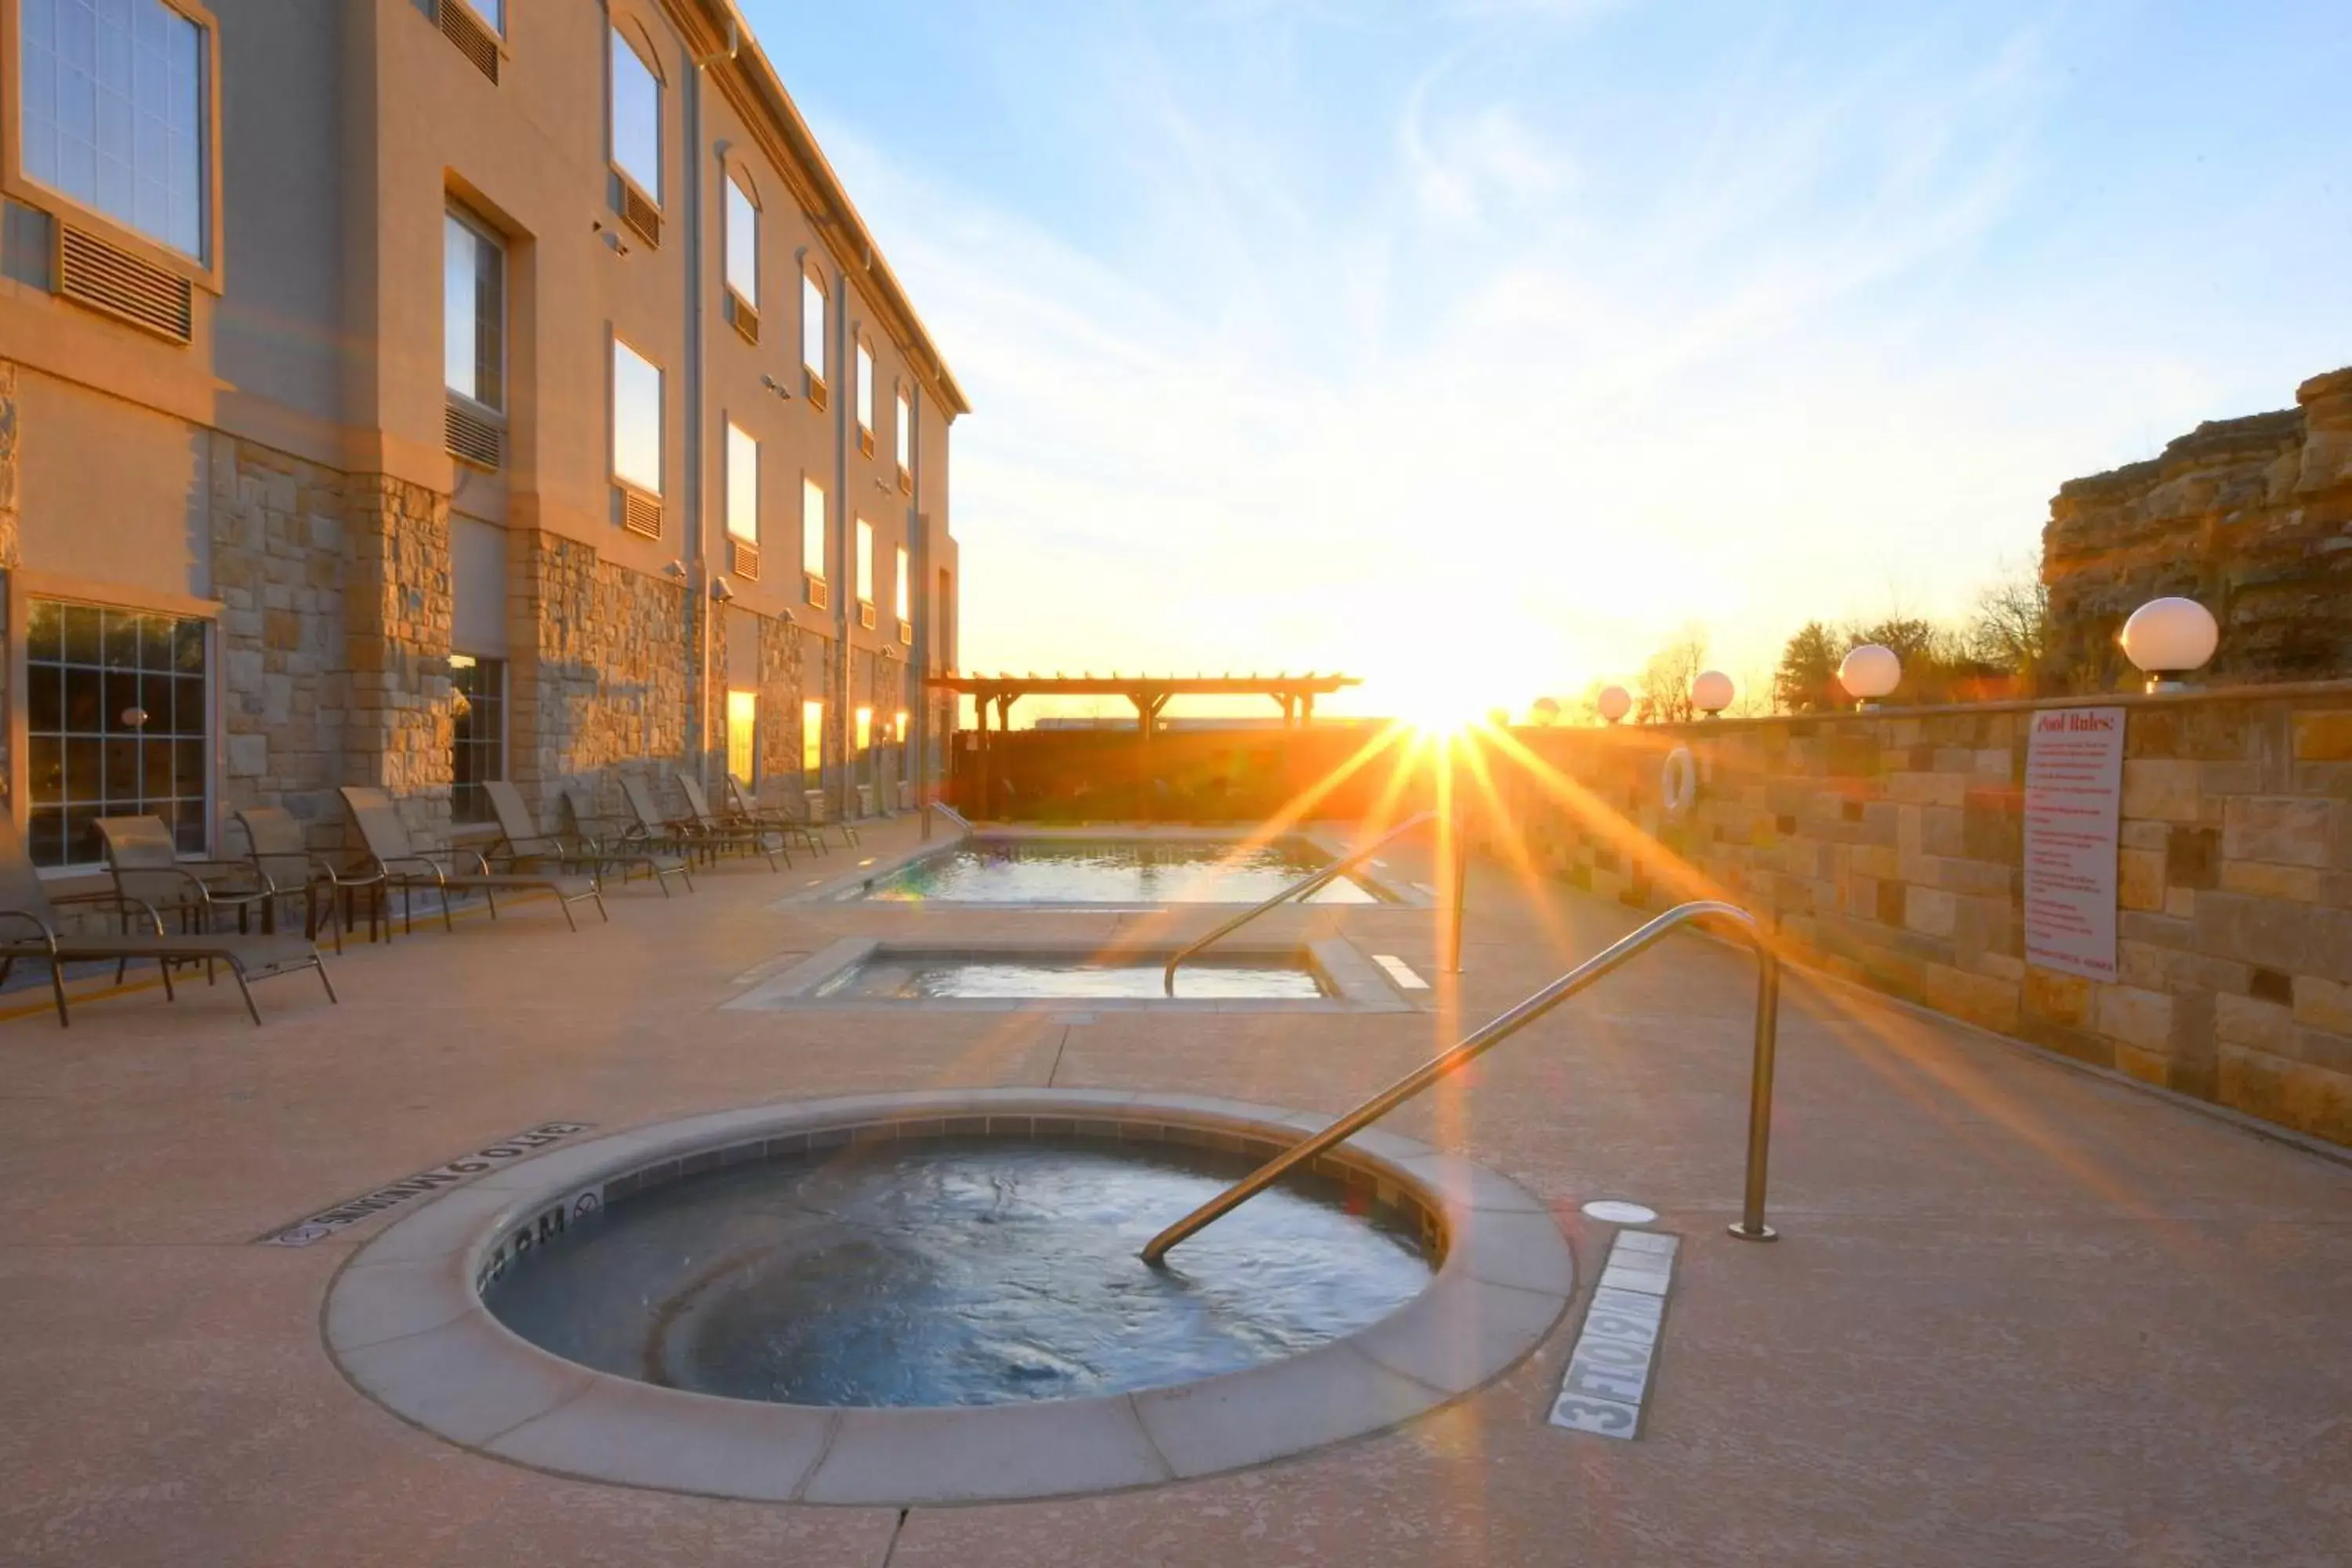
{"x":742,"y":242}
{"x":906,"y":432}
{"x":742,"y":726}
{"x":115,"y":113}
{"x":637,"y":118}
{"x":477,"y":753}
{"x":117,"y":724}
{"x":812,"y":529}
{"x":742,"y":486}
{"x":864,"y":730}
{"x":493,"y":12}
{"x":899,"y":727}
{"x":864,"y":561}
{"x":812,"y":326}
{"x":812,"y":739}
{"x":866,"y":389}
{"x":905,"y":601}
{"x":636,"y":419}
{"x":473,"y":312}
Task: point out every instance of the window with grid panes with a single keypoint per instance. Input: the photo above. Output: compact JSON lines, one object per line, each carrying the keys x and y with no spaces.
{"x":478,"y":737}
{"x":117,"y":724}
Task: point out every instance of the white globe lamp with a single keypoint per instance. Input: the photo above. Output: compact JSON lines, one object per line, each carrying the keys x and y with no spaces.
{"x":1711,"y":693}
{"x":1869,"y":673}
{"x":2166,"y":639}
{"x":1615,"y":703}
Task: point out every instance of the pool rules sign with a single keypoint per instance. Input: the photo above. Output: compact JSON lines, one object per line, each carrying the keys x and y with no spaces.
{"x":2074,"y":797}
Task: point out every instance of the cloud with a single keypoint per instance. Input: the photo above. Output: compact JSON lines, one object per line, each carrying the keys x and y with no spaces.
{"x":1522,"y":398}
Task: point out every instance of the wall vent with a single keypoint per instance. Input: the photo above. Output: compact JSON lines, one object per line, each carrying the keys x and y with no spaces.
{"x":743,"y":559}
{"x":471,"y":438}
{"x":816,"y":396}
{"x":865,"y":615}
{"x":93,"y":273}
{"x":746,"y":319}
{"x":463,"y":28}
{"x":906,"y":483}
{"x":639,"y":512}
{"x":907,"y":632}
{"x":819,"y":594}
{"x":644,"y":218}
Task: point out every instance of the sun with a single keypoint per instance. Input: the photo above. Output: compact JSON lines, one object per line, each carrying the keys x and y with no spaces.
{"x":1437,"y":709}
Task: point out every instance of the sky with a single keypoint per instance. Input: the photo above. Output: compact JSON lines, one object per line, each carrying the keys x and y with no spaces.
{"x":1478,"y":347}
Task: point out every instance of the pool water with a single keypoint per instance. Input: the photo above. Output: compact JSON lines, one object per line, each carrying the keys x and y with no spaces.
{"x":917,"y":976}
{"x":966,"y":1271}
{"x":1112,"y":871}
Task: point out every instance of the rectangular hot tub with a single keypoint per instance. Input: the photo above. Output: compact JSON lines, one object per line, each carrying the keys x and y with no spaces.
{"x":1325,"y":975}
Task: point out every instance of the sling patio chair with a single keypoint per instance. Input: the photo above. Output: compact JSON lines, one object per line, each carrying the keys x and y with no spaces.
{"x":26,"y":903}
{"x":521,"y":843}
{"x":758,"y":835}
{"x":408,"y":868}
{"x":283,"y":859}
{"x":741,"y":805}
{"x":820,"y":815}
{"x":653,"y":827}
{"x":144,"y":861}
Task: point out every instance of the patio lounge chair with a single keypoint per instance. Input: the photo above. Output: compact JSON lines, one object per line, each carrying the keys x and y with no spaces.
{"x":758,"y":835}
{"x":145,"y":861}
{"x":283,"y":859}
{"x":28,"y":929}
{"x":682,"y":833}
{"x":740,"y":804}
{"x":820,"y":815}
{"x":408,"y":868}
{"x":522,"y":843}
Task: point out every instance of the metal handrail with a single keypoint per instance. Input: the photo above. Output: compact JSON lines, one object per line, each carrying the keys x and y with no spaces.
{"x":1331,"y":873}
{"x":958,"y":818}
{"x":1750,"y":1226}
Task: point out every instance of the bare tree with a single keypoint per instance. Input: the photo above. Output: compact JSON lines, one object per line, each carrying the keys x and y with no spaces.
{"x":1666,"y":696}
{"x":2009,"y":627}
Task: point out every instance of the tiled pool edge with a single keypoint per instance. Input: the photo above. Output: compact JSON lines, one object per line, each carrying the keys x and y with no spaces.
{"x":405,"y":1322}
{"x":1357,"y":983}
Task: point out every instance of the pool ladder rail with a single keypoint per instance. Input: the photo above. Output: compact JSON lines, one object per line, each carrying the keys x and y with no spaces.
{"x":1456,"y":871}
{"x":1750,"y":1226}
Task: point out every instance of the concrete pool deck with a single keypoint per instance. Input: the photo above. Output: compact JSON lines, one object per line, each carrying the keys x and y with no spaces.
{"x":2019,"y":1314}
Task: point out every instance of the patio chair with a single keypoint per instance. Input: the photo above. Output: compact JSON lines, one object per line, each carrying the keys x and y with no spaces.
{"x":757,"y":834}
{"x":145,"y":862}
{"x":652,"y":827}
{"x":741,"y":804}
{"x":523,"y":843}
{"x":820,"y":815}
{"x":405,"y":867}
{"x":283,"y":859}
{"x":25,"y":903}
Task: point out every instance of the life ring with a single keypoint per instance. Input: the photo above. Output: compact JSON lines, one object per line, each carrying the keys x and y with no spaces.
{"x":1679,"y":782}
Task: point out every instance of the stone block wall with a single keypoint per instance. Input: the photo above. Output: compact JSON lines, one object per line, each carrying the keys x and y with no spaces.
{"x":285,"y":683}
{"x":2251,"y":516}
{"x":1889,"y":849}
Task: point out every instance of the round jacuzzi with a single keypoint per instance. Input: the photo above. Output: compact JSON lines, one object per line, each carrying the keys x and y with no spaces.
{"x":934,"y":1297}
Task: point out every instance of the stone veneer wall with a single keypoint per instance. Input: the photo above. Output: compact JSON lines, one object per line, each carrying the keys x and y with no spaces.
{"x":782,"y":647}
{"x":2251,"y":517}
{"x":1889,"y":849}
{"x":599,"y":667}
{"x":284,"y":679}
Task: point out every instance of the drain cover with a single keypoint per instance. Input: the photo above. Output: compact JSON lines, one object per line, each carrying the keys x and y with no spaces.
{"x":1615,"y":1211}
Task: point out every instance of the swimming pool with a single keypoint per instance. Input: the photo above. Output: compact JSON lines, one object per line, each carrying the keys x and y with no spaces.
{"x":1000,"y":868}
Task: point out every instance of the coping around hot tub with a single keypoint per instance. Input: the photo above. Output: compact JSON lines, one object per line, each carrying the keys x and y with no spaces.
{"x":405,"y":1322}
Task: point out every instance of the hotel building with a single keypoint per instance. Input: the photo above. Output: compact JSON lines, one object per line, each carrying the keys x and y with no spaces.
{"x":421,"y":392}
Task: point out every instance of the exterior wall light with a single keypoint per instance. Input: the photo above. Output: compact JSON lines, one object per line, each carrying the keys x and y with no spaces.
{"x":2168,"y":638}
{"x":1615,"y":703}
{"x":1869,"y":672}
{"x":720,"y":591}
{"x":1712,"y":692}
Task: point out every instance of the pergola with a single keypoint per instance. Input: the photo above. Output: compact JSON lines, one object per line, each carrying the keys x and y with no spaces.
{"x":1149,"y":693}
